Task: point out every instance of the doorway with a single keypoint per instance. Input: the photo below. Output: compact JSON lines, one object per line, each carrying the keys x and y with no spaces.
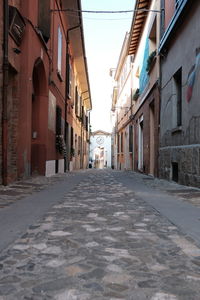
{"x":39,"y":119}
{"x":152,"y":139}
{"x":140,"y":145}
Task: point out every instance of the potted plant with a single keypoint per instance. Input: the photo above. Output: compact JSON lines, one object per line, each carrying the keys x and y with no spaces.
{"x":72,"y":153}
{"x":136,"y":95}
{"x":150,"y":60}
{"x":60,"y":145}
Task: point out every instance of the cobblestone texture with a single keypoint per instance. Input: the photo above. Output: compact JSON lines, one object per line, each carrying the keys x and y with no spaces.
{"x":23,"y":188}
{"x":101,"y":242}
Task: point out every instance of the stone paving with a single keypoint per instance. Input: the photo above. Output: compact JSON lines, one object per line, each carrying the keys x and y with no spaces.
{"x":101,"y":242}
{"x":23,"y":188}
{"x":184,"y":193}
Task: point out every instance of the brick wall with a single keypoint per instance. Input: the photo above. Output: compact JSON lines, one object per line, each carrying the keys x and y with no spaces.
{"x":12,"y":104}
{"x":13,"y":107}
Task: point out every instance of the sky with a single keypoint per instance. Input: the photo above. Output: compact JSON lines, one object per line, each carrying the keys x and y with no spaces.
{"x":104,"y":35}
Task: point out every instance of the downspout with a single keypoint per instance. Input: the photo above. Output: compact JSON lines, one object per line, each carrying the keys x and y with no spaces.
{"x":162,"y":29}
{"x":82,"y":141}
{"x":4,"y":96}
{"x":81,"y":145}
{"x":132,"y":117}
{"x":66,"y":159}
{"x":132,"y":167}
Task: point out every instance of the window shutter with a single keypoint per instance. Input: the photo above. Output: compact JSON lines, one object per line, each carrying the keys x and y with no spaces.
{"x":130,"y":138}
{"x":76,"y":101}
{"x":69,"y":77}
{"x":58,"y":120}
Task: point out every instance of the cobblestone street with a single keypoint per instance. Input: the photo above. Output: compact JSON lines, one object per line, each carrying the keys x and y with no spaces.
{"x":101,"y":241}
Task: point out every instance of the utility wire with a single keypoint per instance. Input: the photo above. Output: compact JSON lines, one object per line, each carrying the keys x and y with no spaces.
{"x":108,"y":11}
{"x":108,"y":19}
{"x":99,"y":19}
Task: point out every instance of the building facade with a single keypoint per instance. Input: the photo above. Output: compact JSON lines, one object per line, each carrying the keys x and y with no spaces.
{"x":144,"y":43}
{"x":137,"y":118}
{"x":122,"y":110}
{"x":45,"y":80}
{"x":180,"y":107}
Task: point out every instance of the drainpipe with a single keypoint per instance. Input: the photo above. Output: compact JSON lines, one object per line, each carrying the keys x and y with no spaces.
{"x":5,"y":97}
{"x":162,"y":29}
{"x":82,"y":142}
{"x":66,"y":160}
{"x":132,"y":167}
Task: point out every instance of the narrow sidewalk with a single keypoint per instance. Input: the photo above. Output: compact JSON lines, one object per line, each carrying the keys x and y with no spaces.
{"x":170,"y":199}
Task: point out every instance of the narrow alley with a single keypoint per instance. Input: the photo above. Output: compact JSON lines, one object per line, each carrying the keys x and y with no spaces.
{"x":101,"y":234}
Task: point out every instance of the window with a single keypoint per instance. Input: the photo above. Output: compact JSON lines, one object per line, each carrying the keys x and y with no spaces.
{"x":85,"y":148}
{"x":86,"y":120}
{"x":72,"y":137}
{"x":76,"y":100}
{"x":83,"y":116}
{"x":122,"y":144}
{"x":73,"y":90}
{"x":153,"y":36}
{"x":79,"y":145}
{"x":178,"y":94}
{"x":80,"y":107}
{"x":152,"y":46}
{"x":118,"y":141}
{"x":58,"y":120}
{"x":69,"y":77}
{"x":59,"y":62}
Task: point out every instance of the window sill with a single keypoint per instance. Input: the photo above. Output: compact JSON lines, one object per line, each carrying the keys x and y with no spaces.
{"x":178,"y":129}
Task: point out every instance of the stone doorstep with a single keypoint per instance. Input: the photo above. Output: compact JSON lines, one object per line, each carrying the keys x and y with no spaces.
{"x":183,"y":191}
{"x":19,"y":187}
{"x":11,"y":193}
{"x":29,"y":184}
{"x":192,"y":195}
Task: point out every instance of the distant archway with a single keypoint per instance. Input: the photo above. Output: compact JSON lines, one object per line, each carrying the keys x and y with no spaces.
{"x":99,"y":157}
{"x":39,"y":118}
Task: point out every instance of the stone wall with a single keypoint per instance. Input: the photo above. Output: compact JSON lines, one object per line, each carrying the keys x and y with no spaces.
{"x":180,"y":144}
{"x":188,"y":159}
